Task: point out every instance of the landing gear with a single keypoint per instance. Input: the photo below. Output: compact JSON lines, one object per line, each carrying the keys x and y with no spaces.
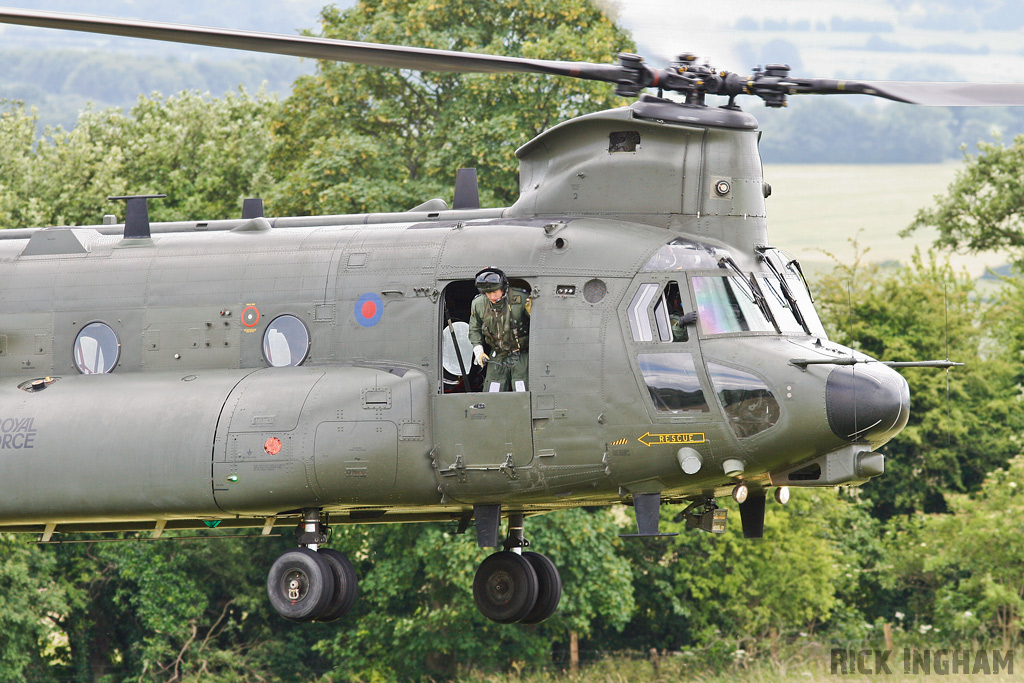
{"x":505,"y":587}
{"x":345,"y":585}
{"x":310,"y":583}
{"x":513,"y":586}
{"x":549,"y":588}
{"x":300,"y":585}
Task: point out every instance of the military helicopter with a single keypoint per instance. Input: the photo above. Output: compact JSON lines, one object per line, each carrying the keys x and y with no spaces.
{"x":305,"y":371}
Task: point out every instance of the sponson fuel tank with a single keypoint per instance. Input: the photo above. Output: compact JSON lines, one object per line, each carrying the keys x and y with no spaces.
{"x":113,"y":446}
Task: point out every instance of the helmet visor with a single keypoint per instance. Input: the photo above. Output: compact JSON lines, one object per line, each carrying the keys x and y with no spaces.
{"x":489,"y":281}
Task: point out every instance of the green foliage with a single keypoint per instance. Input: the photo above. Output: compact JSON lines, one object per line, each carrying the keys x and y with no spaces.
{"x":963,"y":423}
{"x":963,"y":569}
{"x":17,"y":137}
{"x":186,"y":610}
{"x":205,"y":154}
{"x":30,"y":601}
{"x":729,"y":596}
{"x":353,"y":138}
{"x":981,"y":209}
{"x":1007,"y":324}
{"x":416,"y":615}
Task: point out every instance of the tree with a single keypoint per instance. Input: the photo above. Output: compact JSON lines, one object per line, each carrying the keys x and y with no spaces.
{"x":205,"y":154}
{"x":416,"y":615}
{"x":982,"y":207}
{"x":963,"y":423}
{"x":962,"y":570}
{"x":17,"y":137}
{"x":30,"y":600}
{"x":732,"y":597}
{"x":189,"y":609}
{"x":354,"y":138}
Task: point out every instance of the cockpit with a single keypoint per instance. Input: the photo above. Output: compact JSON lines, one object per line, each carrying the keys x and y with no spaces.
{"x":777,"y":301}
{"x":689,"y":291}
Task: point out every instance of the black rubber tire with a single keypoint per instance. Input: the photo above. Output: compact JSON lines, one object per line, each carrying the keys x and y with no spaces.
{"x":346,"y":585}
{"x":300,"y":585}
{"x":505,"y":587}
{"x":549,"y":588}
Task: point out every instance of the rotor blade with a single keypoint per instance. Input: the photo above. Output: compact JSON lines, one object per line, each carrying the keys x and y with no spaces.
{"x":928,"y":94}
{"x":372,"y":54}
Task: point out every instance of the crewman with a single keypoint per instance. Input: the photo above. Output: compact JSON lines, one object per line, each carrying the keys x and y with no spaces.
{"x":501,"y":317}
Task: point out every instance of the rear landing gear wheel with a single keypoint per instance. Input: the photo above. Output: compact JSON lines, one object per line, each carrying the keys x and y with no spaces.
{"x":300,"y":585}
{"x":345,"y":585}
{"x":549,"y":588}
{"x":505,"y":587}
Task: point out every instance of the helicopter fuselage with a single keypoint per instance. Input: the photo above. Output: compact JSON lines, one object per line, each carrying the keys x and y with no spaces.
{"x":251,"y":368}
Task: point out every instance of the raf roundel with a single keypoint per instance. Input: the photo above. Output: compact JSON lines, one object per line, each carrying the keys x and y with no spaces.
{"x":369,"y":309}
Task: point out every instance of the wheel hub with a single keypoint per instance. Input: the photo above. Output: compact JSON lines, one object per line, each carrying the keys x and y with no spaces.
{"x":500,"y":587}
{"x":296,"y":585}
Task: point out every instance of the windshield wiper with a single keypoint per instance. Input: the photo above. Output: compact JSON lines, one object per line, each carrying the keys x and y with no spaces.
{"x":800,"y":271}
{"x":786,"y":292}
{"x":752,"y":290}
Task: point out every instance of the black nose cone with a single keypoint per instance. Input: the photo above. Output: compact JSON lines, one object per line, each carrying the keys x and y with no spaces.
{"x":867,"y":402}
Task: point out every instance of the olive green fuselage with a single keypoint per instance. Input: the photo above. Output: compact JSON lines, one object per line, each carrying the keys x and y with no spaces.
{"x":192,"y":422}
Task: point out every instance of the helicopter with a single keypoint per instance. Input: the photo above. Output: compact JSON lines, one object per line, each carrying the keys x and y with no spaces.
{"x":298,"y":372}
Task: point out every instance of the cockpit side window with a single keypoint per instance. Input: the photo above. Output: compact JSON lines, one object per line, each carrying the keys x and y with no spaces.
{"x":673,"y":382}
{"x":749,"y":404}
{"x":670,"y":318}
{"x":726,"y":304}
{"x":637,"y":313}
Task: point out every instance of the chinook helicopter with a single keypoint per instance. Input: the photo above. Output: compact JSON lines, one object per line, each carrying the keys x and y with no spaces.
{"x":305,"y":371}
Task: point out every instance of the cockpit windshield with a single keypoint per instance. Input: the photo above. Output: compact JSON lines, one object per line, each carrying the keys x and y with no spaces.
{"x":773,"y":298}
{"x":789,"y":296}
{"x":726,"y":303}
{"x":780,"y":306}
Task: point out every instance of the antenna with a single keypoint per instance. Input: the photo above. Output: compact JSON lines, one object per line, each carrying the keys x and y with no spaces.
{"x":467,"y":193}
{"x":136,"y":214}
{"x":945,"y":313}
{"x":853,"y":357}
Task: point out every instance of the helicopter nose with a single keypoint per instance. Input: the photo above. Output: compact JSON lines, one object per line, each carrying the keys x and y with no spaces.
{"x":866,"y":402}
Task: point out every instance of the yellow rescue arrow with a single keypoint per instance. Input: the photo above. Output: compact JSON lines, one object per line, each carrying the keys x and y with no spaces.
{"x":649,"y":439}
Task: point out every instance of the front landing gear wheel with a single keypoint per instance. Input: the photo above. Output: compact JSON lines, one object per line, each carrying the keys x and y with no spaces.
{"x":549,"y":588}
{"x":300,"y":585}
{"x":345,"y":585}
{"x":505,"y":587}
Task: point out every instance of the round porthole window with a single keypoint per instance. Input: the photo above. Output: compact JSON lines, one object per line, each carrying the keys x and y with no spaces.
{"x":96,"y":349}
{"x":286,"y":342}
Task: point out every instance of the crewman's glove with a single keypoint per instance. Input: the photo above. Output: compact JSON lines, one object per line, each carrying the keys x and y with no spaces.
{"x":481,"y":357}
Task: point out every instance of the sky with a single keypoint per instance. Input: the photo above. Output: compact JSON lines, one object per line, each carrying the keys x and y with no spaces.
{"x":873,"y":39}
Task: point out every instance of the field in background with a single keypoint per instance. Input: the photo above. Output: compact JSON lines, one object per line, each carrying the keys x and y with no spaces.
{"x":816,"y":207}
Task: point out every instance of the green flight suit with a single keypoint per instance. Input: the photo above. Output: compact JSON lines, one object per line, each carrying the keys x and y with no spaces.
{"x":505,"y":327}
